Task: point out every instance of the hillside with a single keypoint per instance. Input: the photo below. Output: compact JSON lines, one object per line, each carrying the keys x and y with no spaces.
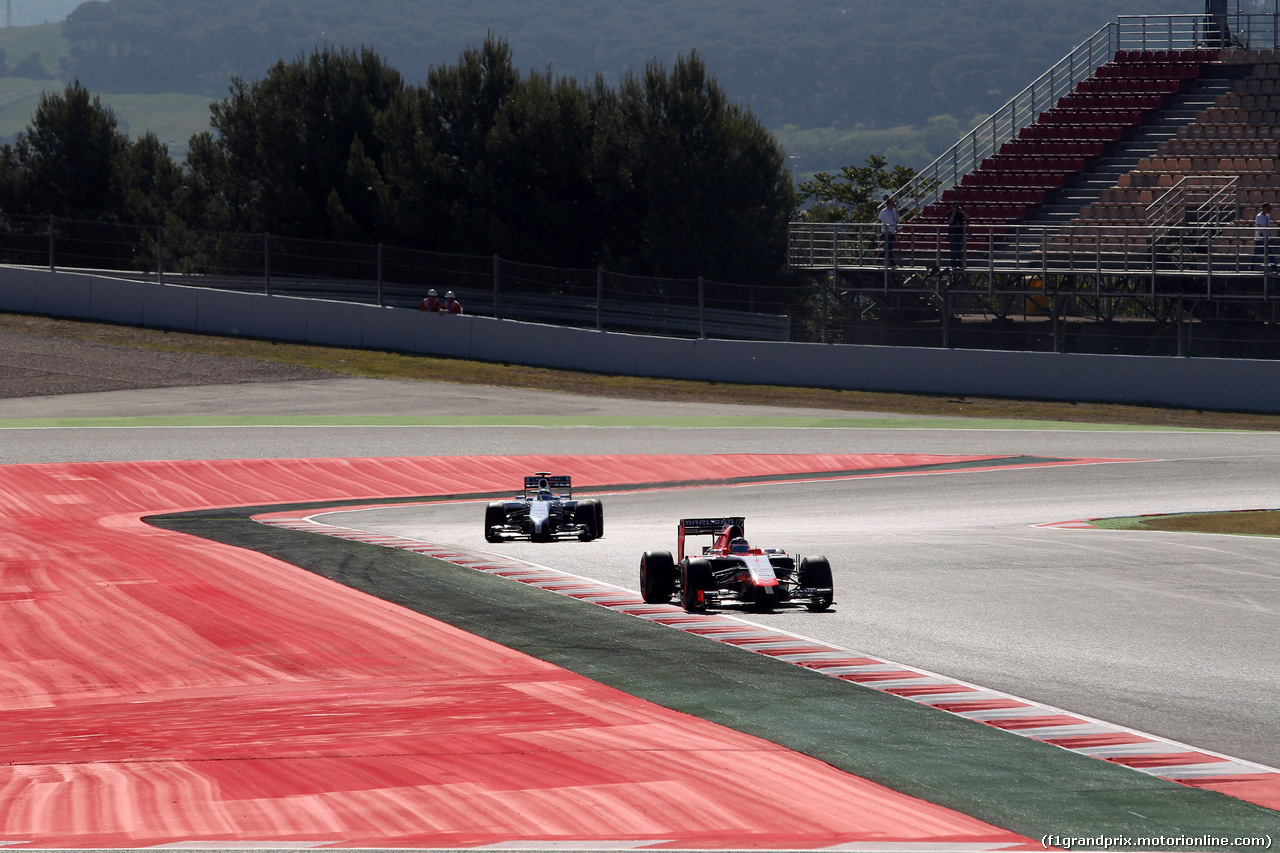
{"x":835,"y":79}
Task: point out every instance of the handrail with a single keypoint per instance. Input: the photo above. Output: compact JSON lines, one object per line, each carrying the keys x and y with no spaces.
{"x":1210,"y":201}
{"x":1080,"y":247}
{"x":1129,"y":32}
{"x":1003,"y":125}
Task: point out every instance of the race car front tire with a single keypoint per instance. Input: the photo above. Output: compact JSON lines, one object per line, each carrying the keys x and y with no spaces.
{"x":495,"y":516}
{"x":815,"y":573}
{"x":696,"y":578}
{"x":599,"y":510}
{"x":657,"y":577}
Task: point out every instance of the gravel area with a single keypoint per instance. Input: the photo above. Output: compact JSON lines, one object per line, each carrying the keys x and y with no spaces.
{"x":42,"y":366}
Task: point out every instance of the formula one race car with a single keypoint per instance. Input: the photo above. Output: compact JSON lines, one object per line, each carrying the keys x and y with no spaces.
{"x":545,"y":510}
{"x":731,"y":570}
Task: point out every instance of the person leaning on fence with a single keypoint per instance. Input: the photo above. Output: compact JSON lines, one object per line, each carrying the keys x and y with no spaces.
{"x":1262,"y":239}
{"x":451,"y":304}
{"x":888,"y":227}
{"x":957,"y":219}
{"x":431,"y":303}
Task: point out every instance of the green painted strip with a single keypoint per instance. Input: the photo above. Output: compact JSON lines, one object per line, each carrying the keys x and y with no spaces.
{"x":1132,"y":523}
{"x":1009,"y":781}
{"x":709,"y":422}
{"x":1214,"y":523}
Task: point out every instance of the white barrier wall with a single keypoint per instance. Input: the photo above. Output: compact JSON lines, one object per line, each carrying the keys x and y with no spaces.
{"x":1237,"y":384}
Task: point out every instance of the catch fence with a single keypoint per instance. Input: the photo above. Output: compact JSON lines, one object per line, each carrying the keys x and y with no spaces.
{"x":400,"y":278}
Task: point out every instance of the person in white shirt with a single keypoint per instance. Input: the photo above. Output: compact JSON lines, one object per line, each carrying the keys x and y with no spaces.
{"x":888,"y":227}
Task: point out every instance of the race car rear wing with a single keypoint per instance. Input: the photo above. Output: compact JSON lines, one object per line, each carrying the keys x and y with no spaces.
{"x":707,"y":527}
{"x":560,"y":484}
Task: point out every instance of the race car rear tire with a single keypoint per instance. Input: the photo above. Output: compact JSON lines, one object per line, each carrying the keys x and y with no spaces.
{"x":495,"y":516}
{"x":587,"y":513}
{"x":599,"y":509}
{"x":695,"y":577}
{"x":815,"y":573}
{"x":657,"y":577}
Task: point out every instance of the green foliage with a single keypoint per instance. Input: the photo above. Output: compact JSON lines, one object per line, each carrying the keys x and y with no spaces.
{"x":855,"y":195}
{"x":287,"y":147}
{"x":147,"y":180}
{"x":703,"y":188}
{"x":65,"y":163}
{"x":46,"y":41}
{"x":660,"y":176}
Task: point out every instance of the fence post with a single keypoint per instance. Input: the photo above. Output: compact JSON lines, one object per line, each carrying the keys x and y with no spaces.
{"x":159,"y":254}
{"x":599,"y":298}
{"x":835,"y":285}
{"x":497,"y":313}
{"x":1154,"y":258}
{"x":1054,"y":309}
{"x":51,"y":227}
{"x":825,"y":319}
{"x":1044,"y":260}
{"x":991,"y":257}
{"x":946,"y":319}
{"x":1181,"y":336}
{"x":266,"y":263}
{"x":702,"y":310}
{"x":380,"y":302}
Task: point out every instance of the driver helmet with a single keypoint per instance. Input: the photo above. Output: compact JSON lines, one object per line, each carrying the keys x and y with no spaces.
{"x":738,"y":545}
{"x":544,"y":494}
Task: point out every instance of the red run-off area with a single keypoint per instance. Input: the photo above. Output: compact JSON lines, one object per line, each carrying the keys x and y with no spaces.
{"x":159,"y":688}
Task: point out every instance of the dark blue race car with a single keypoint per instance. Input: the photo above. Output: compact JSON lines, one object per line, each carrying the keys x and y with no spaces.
{"x":545,"y":510}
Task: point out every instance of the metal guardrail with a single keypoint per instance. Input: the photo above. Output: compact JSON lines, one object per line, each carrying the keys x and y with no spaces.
{"x":1172,"y":259}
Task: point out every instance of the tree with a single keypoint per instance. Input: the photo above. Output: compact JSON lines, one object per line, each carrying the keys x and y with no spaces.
{"x":285,"y":149}
{"x":466,"y":100}
{"x":147,"y":181}
{"x":30,"y":66}
{"x":701,"y":187}
{"x":64,"y":163}
{"x":539,"y":154}
{"x":664,"y":176}
{"x":856,"y":194}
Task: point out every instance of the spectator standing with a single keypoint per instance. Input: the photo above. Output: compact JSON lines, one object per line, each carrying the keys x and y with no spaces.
{"x":451,"y":304}
{"x":888,"y":227}
{"x":1262,"y":238}
{"x":957,"y":221}
{"x":431,"y":303}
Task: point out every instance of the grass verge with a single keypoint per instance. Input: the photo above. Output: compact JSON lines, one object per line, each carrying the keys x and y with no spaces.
{"x":1257,"y":522}
{"x":403,"y":366}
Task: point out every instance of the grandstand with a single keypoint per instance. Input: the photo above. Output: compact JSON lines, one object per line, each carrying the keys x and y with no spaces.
{"x":1110,"y":207}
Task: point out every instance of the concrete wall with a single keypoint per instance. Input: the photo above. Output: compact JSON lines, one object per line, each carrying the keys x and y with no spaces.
{"x":1195,"y":383}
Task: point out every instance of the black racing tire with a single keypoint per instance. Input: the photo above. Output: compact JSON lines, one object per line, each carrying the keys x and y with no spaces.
{"x":495,"y":515}
{"x":657,"y":577}
{"x":599,"y":508}
{"x":587,"y":513}
{"x":815,"y":573}
{"x":695,"y":577}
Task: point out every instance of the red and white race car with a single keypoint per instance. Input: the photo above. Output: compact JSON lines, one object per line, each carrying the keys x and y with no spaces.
{"x":730,"y":569}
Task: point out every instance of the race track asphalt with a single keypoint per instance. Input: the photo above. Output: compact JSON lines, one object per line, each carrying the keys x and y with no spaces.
{"x":1166,"y":633}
